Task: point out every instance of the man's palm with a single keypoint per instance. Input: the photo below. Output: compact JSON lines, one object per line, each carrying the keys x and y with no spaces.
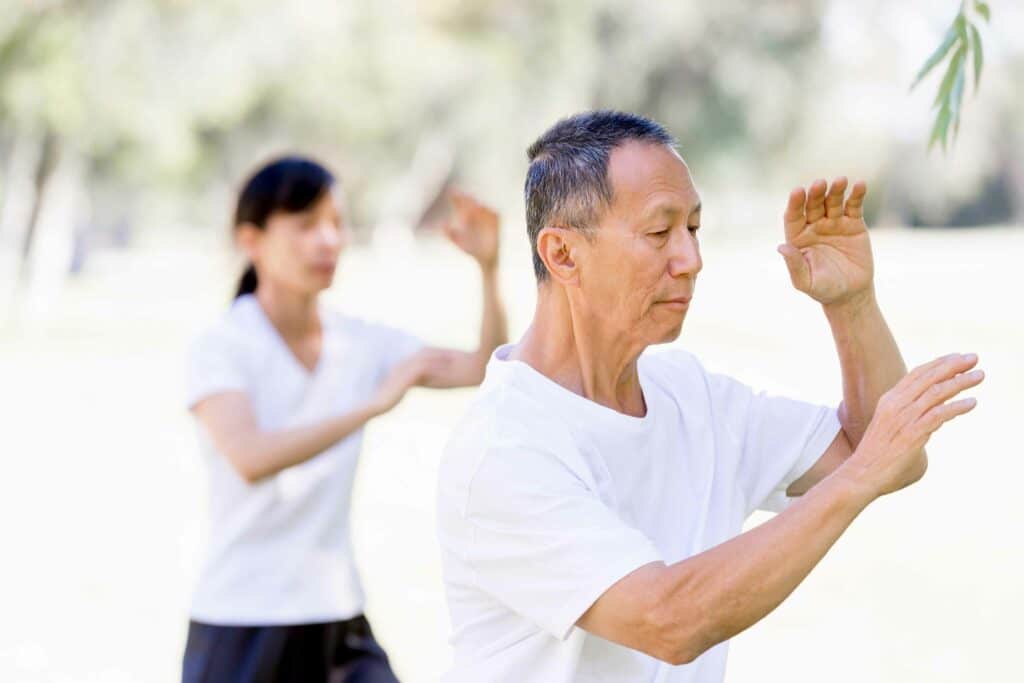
{"x":827,"y":249}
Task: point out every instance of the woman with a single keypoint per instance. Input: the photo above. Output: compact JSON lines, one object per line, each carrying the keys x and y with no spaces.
{"x":281,"y":388}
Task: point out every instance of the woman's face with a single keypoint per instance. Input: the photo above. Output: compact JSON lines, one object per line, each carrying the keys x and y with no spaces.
{"x":298,"y":251}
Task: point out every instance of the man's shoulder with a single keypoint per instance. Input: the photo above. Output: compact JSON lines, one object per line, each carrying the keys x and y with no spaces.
{"x":505,"y":415}
{"x":504,"y":424}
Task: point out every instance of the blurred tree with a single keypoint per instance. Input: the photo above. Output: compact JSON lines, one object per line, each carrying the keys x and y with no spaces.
{"x":157,"y":108}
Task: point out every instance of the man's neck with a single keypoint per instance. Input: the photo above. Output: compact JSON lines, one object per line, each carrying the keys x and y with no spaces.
{"x":565,"y":344}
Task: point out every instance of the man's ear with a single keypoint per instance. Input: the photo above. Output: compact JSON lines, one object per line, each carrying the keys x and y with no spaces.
{"x":248,"y":237}
{"x":558,"y":248}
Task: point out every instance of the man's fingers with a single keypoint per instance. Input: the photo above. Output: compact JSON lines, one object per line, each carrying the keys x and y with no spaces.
{"x":796,"y":264}
{"x":816,"y":201}
{"x":920,"y":379}
{"x":941,"y":414}
{"x":834,"y":198}
{"x":794,"y":219}
{"x":855,"y":202}
{"x":904,"y":385}
{"x":940,"y":392}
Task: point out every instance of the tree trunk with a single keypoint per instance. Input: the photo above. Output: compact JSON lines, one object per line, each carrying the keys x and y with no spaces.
{"x":19,"y":198}
{"x":48,"y":247}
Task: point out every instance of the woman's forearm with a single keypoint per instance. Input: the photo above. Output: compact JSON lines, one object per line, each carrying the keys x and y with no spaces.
{"x":258,"y":454}
{"x":493,"y":322}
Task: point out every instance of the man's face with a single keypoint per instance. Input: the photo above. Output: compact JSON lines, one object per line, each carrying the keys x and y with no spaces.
{"x":638,"y":272}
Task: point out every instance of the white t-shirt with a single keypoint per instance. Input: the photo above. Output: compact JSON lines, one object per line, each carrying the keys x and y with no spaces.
{"x":546,"y":499}
{"x":279,"y":550}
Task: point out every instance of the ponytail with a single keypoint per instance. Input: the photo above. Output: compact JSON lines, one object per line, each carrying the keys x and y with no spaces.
{"x":248,"y":282}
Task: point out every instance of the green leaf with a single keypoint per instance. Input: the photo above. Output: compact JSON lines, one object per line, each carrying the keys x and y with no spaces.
{"x":939,"y":129}
{"x":982,"y":9}
{"x":937,"y":56}
{"x":979,"y":57}
{"x":960,"y":24}
{"x":956,"y":96}
{"x":955,"y":65}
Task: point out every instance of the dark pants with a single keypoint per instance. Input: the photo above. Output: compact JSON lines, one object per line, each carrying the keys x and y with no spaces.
{"x":333,"y":652}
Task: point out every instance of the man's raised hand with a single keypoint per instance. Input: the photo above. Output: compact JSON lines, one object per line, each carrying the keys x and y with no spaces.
{"x":827,"y":250}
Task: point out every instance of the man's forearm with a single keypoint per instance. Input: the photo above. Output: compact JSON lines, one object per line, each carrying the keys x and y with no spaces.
{"x":870,"y":360}
{"x":715,"y":595}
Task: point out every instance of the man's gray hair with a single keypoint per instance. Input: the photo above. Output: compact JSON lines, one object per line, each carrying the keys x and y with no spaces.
{"x":567,"y":181}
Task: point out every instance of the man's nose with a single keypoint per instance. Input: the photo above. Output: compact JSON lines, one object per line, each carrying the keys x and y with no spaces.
{"x":685,"y":258}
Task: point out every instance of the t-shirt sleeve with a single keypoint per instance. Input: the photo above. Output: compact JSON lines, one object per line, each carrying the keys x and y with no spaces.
{"x":541,"y":542}
{"x":214,"y":364}
{"x":392,"y":346}
{"x":779,"y":438}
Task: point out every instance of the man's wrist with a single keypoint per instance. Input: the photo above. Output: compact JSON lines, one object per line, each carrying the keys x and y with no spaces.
{"x":853,"y":307}
{"x":850,"y":481}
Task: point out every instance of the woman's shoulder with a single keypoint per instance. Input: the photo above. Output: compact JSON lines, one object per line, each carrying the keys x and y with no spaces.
{"x":233,"y":328}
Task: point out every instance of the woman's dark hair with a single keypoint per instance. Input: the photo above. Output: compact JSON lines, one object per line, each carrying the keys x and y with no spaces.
{"x":288,"y":184}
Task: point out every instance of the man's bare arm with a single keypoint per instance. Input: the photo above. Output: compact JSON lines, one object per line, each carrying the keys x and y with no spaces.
{"x":828,"y":254}
{"x":871,"y":364}
{"x":677,"y":612}
{"x":871,"y":361}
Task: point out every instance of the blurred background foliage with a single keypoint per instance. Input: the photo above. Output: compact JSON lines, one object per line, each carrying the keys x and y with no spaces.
{"x":961,"y":44}
{"x":122,"y":116}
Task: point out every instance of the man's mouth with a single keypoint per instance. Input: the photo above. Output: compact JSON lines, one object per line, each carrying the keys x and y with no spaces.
{"x":679,"y":303}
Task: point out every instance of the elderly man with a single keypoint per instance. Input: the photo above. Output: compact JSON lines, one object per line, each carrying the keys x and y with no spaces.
{"x":591,"y":498}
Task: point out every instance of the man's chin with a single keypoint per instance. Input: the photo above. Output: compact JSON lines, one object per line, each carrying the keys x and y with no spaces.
{"x":671,"y":334}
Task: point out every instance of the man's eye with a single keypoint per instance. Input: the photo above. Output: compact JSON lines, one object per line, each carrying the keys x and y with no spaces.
{"x":693,"y":229}
{"x":661,"y":233}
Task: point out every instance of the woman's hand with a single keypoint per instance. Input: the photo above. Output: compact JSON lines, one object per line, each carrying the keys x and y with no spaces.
{"x":473,"y":228}
{"x":413,"y":371}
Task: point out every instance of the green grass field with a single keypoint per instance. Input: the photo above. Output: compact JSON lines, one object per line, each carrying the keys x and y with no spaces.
{"x":102,"y":498}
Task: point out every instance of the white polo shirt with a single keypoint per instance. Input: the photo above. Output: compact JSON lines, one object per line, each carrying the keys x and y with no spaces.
{"x":546,"y":499}
{"x":279,"y":550}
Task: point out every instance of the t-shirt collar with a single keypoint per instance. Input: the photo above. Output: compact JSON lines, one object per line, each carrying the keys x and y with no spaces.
{"x":502,"y":369}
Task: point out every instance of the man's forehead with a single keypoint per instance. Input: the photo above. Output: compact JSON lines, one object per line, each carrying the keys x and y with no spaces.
{"x":653,"y":178}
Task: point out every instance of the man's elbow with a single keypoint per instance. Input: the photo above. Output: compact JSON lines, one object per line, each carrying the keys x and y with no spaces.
{"x":675,"y":638}
{"x":678,"y":657}
{"x":676,"y":648}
